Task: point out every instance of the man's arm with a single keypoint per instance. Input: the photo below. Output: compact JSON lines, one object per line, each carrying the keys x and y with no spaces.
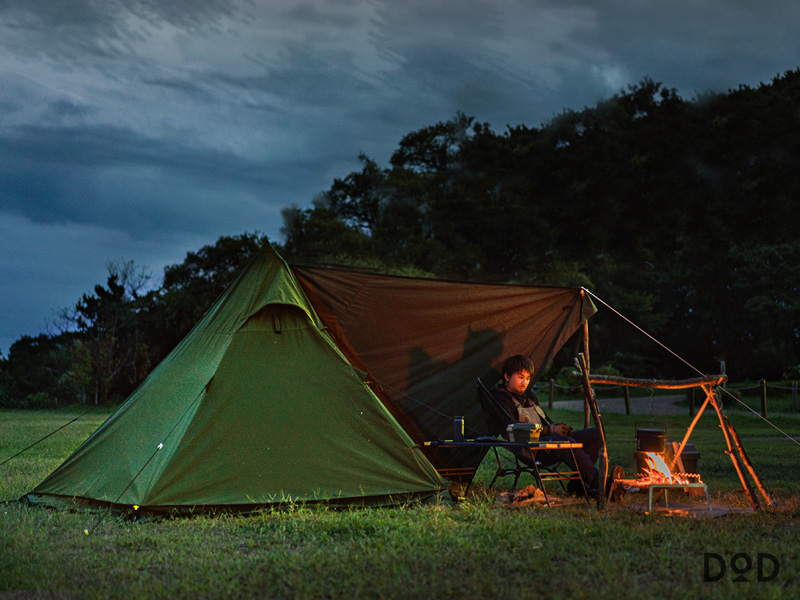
{"x":503,"y":398}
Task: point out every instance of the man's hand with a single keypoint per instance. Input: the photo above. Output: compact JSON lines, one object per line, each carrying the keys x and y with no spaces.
{"x":560,"y":429}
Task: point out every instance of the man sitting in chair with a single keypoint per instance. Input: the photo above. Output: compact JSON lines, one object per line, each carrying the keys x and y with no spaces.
{"x":521,"y":404}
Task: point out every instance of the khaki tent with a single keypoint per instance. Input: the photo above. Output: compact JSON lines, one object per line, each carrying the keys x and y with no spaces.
{"x":313,"y":385}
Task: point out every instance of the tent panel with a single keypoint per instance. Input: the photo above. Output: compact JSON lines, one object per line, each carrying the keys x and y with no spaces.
{"x":235,"y":433}
{"x":311,"y":430}
{"x":157,"y":412}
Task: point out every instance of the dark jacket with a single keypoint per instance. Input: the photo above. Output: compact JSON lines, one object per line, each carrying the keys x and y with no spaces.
{"x":506,"y":400}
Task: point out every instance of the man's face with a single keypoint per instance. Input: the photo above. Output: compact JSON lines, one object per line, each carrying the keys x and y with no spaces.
{"x":518,"y":382}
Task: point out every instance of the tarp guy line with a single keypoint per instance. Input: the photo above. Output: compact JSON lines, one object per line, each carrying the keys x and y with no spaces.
{"x":684,"y":361}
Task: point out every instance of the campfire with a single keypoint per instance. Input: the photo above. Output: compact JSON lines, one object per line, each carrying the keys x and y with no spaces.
{"x":655,"y":475}
{"x":654,"y":472}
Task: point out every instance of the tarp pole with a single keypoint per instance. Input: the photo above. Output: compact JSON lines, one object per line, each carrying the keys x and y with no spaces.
{"x":599,"y":425}
{"x":586,"y":409}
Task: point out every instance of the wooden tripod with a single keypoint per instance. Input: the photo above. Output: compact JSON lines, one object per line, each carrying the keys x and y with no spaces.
{"x":709,"y":385}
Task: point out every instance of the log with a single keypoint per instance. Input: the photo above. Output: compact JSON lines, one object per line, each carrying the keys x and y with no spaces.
{"x":748,"y":464}
{"x":748,"y":489}
{"x":659,"y":384}
{"x":709,"y":390}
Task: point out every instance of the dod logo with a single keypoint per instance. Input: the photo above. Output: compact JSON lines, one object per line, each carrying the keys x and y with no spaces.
{"x":741,"y":565}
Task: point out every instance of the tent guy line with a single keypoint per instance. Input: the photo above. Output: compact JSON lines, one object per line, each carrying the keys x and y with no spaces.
{"x":418,"y":401}
{"x":39,"y":441}
{"x":108,"y":510}
{"x":687,"y":363}
{"x":635,"y":326}
{"x":144,"y":466}
{"x":760,"y":416}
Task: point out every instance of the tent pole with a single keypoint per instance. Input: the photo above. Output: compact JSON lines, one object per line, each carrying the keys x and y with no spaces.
{"x":589,"y":394}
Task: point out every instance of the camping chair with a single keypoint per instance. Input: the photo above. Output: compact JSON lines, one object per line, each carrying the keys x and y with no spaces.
{"x":497,"y":419}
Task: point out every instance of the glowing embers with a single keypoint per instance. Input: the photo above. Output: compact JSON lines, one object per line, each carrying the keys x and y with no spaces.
{"x":654,"y":470}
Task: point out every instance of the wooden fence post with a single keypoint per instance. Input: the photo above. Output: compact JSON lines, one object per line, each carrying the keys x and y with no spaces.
{"x":627,"y":400}
{"x":764,"y":398}
{"x":552,"y":386}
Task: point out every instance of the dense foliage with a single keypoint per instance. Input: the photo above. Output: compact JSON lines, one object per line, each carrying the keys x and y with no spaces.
{"x":111,"y":339}
{"x":682,"y":215}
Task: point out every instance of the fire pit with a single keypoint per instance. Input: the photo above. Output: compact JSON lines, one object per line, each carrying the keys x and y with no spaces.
{"x":656,"y":475}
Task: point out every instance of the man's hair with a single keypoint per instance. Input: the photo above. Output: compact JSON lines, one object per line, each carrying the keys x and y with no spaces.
{"x":517,"y":363}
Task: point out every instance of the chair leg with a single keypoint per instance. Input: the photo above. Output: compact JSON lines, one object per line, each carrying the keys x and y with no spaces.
{"x":496,"y":475}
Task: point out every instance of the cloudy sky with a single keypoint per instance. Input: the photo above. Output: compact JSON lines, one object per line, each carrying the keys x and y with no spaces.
{"x":142,"y":129}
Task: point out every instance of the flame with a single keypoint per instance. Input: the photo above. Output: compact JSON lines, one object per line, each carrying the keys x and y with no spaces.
{"x":657,"y":471}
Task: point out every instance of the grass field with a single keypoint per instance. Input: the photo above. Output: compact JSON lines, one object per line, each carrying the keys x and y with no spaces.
{"x":475,"y":549}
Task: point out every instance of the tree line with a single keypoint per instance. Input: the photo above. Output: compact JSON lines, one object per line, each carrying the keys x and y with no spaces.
{"x":680,"y":214}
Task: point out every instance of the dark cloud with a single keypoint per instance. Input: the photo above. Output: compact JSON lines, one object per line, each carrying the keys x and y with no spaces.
{"x":118,"y":178}
{"x":311,"y":14}
{"x":72,"y":30}
{"x":141,"y":129}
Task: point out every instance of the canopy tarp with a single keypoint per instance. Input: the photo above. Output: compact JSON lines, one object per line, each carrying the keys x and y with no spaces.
{"x":425,"y":341}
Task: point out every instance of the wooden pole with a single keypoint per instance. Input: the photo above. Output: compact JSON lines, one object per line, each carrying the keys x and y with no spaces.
{"x":587,"y":411}
{"x":691,"y":402}
{"x":586,"y":346}
{"x":709,"y":390}
{"x":661,"y":384}
{"x":748,"y":489}
{"x":552,"y":390}
{"x":586,"y":408}
{"x":747,"y":463}
{"x":627,"y":400}
{"x":603,"y":467}
{"x":764,"y":398}
{"x":794,"y":395}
